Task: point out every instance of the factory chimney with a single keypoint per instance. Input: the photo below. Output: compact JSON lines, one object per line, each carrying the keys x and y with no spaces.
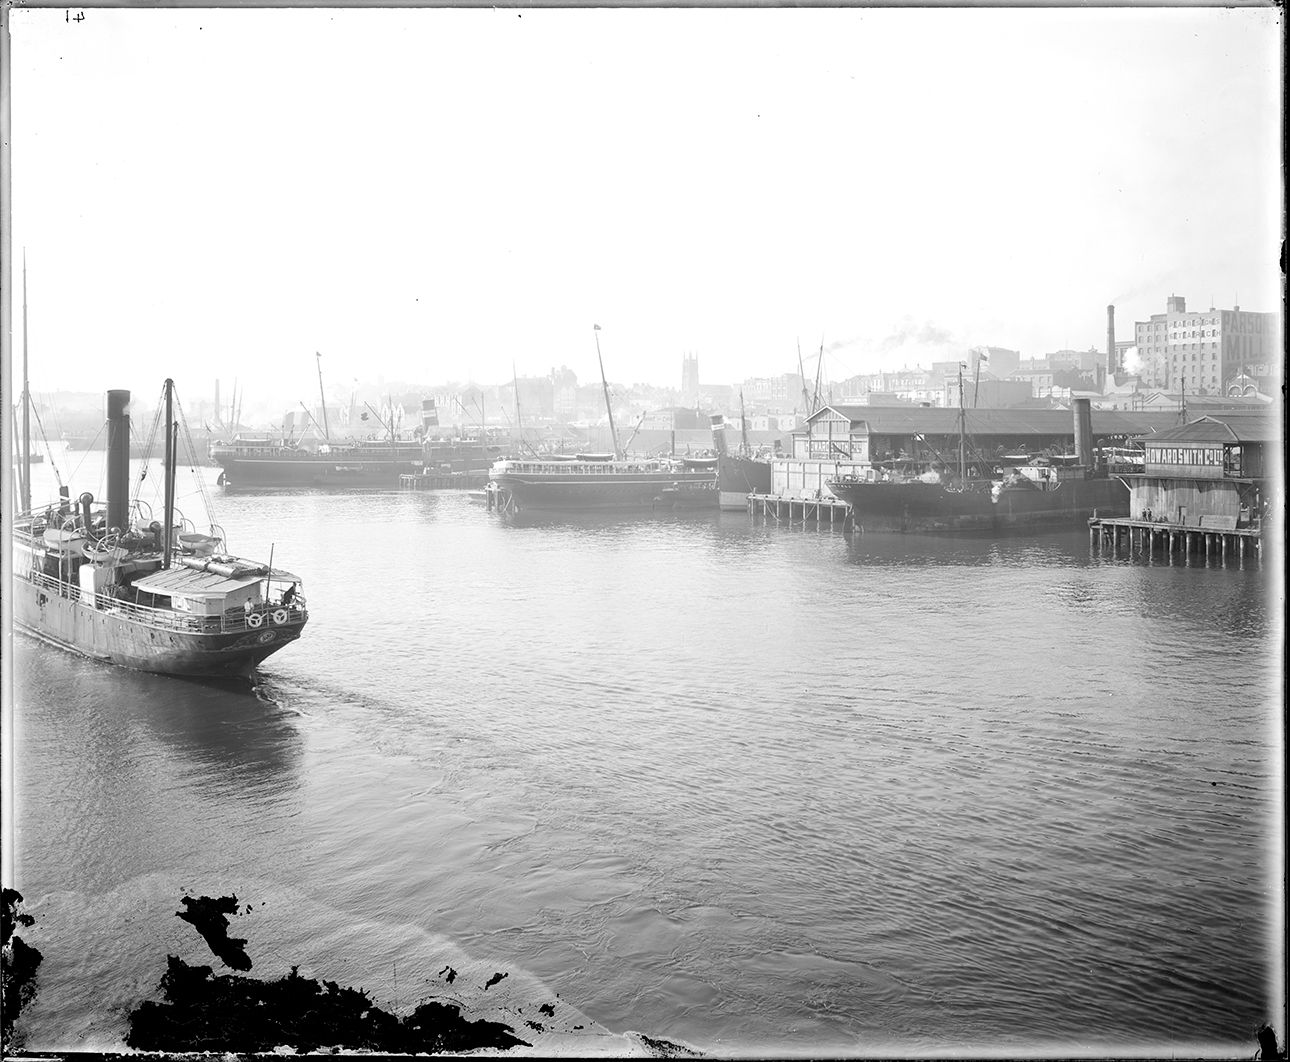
{"x":1111,"y":364}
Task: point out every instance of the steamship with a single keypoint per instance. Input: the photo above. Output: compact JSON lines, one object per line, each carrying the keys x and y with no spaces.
{"x":107,"y":581}
{"x":1044,"y":493}
{"x":602,"y":481}
{"x":263,"y":461}
{"x":738,"y":474}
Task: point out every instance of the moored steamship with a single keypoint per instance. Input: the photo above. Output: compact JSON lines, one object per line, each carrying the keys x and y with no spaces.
{"x":108,"y":582}
{"x":1051,"y":492}
{"x":265,"y":461}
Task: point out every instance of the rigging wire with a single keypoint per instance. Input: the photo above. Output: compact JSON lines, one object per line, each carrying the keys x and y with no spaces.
{"x":48,"y":449}
{"x":147,"y":456}
{"x":200,"y":481}
{"x":86,"y":452}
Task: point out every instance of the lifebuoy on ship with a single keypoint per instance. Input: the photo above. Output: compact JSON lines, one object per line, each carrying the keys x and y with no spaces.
{"x":280,"y":616}
{"x":254,"y":619}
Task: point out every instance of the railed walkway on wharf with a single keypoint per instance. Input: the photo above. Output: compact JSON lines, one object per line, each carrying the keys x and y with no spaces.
{"x":822,"y":512}
{"x":1193,"y":543}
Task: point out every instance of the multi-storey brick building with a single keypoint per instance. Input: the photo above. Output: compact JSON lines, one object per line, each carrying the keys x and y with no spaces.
{"x":782,"y":392}
{"x":1201,"y":351}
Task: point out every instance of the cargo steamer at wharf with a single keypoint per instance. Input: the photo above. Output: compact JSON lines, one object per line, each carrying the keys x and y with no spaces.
{"x":1046,"y":492}
{"x":265,"y":462}
{"x":110,"y":583}
{"x":742,"y":473}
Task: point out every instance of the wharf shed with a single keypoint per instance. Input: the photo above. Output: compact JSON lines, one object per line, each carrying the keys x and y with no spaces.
{"x":838,"y":438}
{"x":869,"y":433}
{"x":1213,"y":471}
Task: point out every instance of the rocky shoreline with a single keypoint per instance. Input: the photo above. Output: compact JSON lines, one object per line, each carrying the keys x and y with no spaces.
{"x":194,"y":1008}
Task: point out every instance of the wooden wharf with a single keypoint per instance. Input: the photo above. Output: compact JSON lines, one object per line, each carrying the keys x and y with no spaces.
{"x":821,"y":512}
{"x":1215,"y":538}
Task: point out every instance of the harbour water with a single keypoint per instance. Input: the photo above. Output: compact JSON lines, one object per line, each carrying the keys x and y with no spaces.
{"x":757,"y":789}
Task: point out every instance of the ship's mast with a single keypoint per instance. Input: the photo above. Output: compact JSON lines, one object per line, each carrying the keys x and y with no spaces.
{"x":819,"y":368}
{"x":168,"y":524}
{"x":743,"y":422}
{"x":613,"y":432}
{"x":519,"y":423}
{"x":962,"y":433}
{"x":26,"y":399}
{"x":801,"y":371}
{"x":322,"y":398}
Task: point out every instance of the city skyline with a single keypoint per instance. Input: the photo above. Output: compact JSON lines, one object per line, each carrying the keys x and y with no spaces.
{"x":462,"y":205}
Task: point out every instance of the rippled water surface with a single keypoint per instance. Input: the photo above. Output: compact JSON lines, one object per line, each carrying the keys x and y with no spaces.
{"x":755,"y":788}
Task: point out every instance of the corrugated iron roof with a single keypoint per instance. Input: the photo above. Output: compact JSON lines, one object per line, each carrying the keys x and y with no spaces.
{"x":1221,"y":427}
{"x":895,"y":420}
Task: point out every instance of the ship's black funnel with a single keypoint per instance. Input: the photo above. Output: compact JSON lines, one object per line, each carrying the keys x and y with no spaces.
{"x":1083,"y":431}
{"x":719,"y":434}
{"x":118,"y":464}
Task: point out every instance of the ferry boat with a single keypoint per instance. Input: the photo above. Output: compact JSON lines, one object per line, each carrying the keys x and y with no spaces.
{"x":1045,"y":492}
{"x":107,"y":581}
{"x":600,"y":481}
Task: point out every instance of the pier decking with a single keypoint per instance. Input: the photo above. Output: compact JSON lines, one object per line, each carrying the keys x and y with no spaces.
{"x":821,"y":512}
{"x":1193,"y":544}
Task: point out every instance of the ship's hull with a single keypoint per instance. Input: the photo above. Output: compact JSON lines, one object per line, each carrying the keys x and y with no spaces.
{"x":737,"y":477}
{"x":120,"y":639}
{"x":915,"y":506}
{"x":625,"y":490}
{"x":314,"y":471}
{"x":308,"y":469}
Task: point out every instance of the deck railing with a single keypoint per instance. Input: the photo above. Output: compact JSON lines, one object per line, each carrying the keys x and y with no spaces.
{"x":591,"y":468}
{"x":230,"y":622}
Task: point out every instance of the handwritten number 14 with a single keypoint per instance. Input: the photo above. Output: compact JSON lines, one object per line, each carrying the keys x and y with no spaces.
{"x":78,"y":17}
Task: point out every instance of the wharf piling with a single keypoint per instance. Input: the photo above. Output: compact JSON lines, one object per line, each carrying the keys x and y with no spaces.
{"x":821,"y":512}
{"x":1191,"y":544}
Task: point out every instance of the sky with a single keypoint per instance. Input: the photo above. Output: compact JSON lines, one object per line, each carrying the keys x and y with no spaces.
{"x":428,"y":195}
